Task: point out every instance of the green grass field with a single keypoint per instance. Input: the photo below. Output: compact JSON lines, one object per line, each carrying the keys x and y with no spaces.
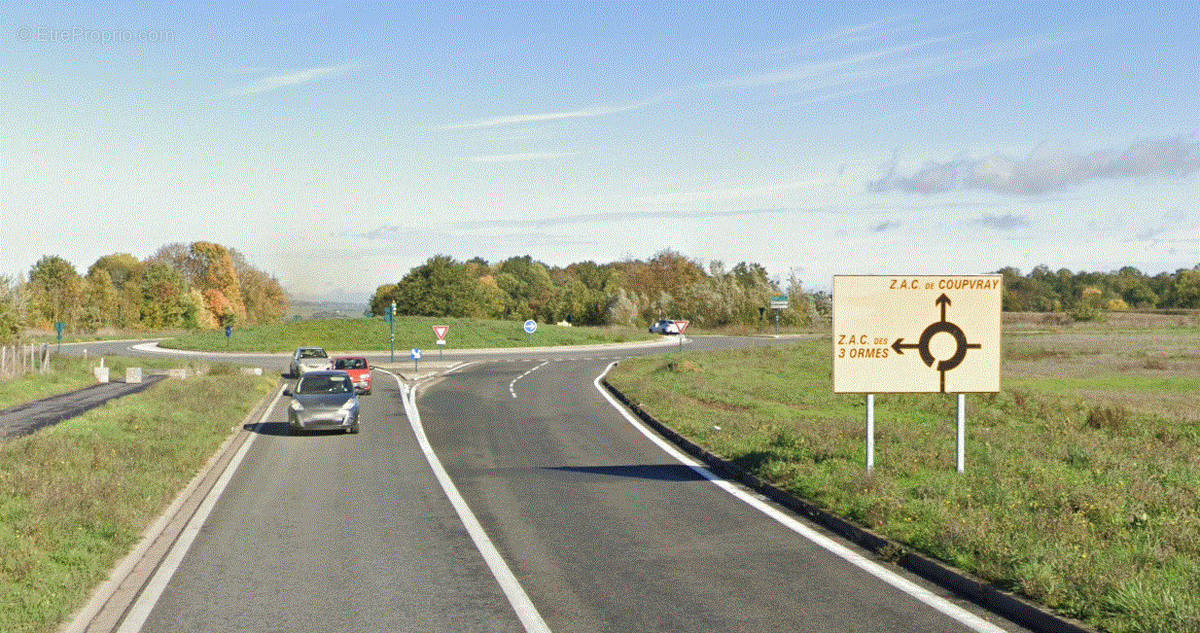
{"x":373,"y":334}
{"x":1082,"y":488}
{"x":74,"y":498}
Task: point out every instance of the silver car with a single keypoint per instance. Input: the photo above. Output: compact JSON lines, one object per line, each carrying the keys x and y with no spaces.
{"x":323,"y":400}
{"x":306,"y":359}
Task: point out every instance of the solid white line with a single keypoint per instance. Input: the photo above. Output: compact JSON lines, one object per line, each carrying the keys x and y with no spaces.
{"x":141,"y":609}
{"x":521,"y":604}
{"x":931,"y":599}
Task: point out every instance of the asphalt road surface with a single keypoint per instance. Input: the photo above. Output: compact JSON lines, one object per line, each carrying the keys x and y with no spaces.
{"x":601,"y":529}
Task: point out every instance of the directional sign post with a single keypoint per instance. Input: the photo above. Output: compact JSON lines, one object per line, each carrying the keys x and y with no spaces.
{"x":916,"y":334}
{"x":440,"y":331}
{"x":683,"y":326}
{"x":778,"y":302}
{"x":391,"y":319}
{"x":416,"y":357}
{"x":530,"y":327}
{"x":60,"y":326}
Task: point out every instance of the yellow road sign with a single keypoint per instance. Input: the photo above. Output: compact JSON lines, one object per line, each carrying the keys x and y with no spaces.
{"x":916,"y":333}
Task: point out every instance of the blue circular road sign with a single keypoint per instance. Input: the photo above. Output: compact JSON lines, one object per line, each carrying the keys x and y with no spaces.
{"x":530,"y":326}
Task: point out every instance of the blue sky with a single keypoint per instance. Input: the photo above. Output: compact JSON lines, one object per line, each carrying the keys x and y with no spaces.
{"x":338,"y":145}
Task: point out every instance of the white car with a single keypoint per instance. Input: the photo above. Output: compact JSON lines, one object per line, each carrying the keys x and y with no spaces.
{"x":306,"y":359}
{"x":664,"y":326}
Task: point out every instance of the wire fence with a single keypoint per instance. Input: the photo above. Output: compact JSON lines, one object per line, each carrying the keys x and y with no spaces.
{"x":18,"y":360}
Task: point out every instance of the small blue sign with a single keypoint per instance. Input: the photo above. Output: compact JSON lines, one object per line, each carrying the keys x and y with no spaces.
{"x":228,"y":331}
{"x":416,"y":354}
{"x":530,"y":326}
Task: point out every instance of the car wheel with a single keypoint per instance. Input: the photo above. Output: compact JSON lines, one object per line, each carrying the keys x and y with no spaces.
{"x":353,"y":429}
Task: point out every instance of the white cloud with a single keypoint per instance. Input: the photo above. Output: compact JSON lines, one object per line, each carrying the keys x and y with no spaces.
{"x":520,"y":157}
{"x":521,"y":119}
{"x":1049,"y":169}
{"x":275,"y":82}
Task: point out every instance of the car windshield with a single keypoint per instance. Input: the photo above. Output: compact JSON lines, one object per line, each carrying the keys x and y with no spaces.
{"x":313,"y":353}
{"x":324,"y":384}
{"x":350,"y":363}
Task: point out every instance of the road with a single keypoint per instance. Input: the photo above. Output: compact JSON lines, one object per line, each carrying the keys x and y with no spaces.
{"x":599,"y":527}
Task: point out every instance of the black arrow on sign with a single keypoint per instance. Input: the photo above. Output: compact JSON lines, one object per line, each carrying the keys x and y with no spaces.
{"x":900,"y":346}
{"x":943,"y":301}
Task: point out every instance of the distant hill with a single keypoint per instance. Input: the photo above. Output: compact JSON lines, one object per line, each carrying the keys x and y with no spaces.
{"x":301,"y":309}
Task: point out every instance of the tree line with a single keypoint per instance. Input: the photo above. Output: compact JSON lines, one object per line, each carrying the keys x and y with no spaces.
{"x":1087,"y":295}
{"x":630,"y":292}
{"x":670,"y":285}
{"x":200,"y":285}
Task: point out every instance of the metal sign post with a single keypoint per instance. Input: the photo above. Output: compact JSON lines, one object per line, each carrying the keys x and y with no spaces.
{"x":870,"y":432}
{"x":778,"y":303}
{"x":683,"y":326}
{"x":391,"y":319}
{"x":530,"y":327}
{"x":440,"y":331}
{"x":416,"y":357}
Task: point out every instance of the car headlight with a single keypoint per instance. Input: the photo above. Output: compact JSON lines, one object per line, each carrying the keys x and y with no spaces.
{"x":296,"y":406}
{"x":347,"y":406}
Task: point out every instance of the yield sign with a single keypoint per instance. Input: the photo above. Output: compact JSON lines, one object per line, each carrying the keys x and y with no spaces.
{"x":440,"y":331}
{"x":682,"y":325}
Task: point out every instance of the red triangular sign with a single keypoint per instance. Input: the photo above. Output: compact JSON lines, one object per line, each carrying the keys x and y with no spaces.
{"x":682,"y":325}
{"x":441,"y":331}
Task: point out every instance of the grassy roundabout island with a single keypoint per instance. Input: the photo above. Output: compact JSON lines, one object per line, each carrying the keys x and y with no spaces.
{"x":367,"y":334}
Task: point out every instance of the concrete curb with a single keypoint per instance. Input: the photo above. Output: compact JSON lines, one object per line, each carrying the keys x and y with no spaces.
{"x":983,"y":593}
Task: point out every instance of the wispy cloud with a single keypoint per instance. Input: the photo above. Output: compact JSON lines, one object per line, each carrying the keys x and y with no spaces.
{"x":520,"y":157}
{"x":1048,"y":169}
{"x":522,"y":119}
{"x":1005,"y":222}
{"x":849,"y":61}
{"x":307,"y":75}
{"x":732,"y":193}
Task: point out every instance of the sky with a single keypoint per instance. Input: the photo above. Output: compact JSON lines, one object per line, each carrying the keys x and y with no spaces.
{"x":338,"y":145}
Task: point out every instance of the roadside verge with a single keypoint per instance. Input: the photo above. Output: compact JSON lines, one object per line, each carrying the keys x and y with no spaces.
{"x":983,"y":593}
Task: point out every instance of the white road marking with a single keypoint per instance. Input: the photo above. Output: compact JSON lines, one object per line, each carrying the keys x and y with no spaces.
{"x":512,"y":385}
{"x":938,"y":603}
{"x":524,"y":607}
{"x":146,"y":601}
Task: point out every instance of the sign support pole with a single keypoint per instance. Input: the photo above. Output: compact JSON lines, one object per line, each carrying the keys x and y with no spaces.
{"x":962,"y":432}
{"x":870,"y":432}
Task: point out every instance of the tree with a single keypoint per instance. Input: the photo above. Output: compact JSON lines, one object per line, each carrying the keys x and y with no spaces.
{"x":166,"y":299}
{"x":101,"y":303}
{"x":55,"y":291}
{"x":212,"y":269}
{"x":10,"y":310}
{"x":439,"y":287}
{"x":264,"y":297}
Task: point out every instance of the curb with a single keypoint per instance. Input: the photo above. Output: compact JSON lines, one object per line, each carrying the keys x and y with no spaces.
{"x":981,"y":592}
{"x":112,"y":599}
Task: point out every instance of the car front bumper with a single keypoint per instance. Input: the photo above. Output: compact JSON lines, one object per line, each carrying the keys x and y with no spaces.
{"x":322,"y":421}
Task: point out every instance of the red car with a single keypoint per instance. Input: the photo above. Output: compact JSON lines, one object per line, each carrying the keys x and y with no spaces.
{"x":359,"y":370}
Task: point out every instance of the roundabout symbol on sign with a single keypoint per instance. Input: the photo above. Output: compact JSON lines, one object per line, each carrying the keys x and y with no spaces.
{"x":939,"y":327}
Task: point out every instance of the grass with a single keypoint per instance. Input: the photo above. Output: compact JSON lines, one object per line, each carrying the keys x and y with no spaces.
{"x":74,"y":498}
{"x":1082,"y":488}
{"x":373,"y":334}
{"x":71,"y":373}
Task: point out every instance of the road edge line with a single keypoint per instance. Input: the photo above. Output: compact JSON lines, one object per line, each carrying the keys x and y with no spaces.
{"x":103,"y":593}
{"x":148,"y":597}
{"x":934,"y":601}
{"x":525,"y":610}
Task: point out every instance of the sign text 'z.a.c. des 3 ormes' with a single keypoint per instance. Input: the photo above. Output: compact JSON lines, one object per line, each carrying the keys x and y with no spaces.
{"x":916,"y":333}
